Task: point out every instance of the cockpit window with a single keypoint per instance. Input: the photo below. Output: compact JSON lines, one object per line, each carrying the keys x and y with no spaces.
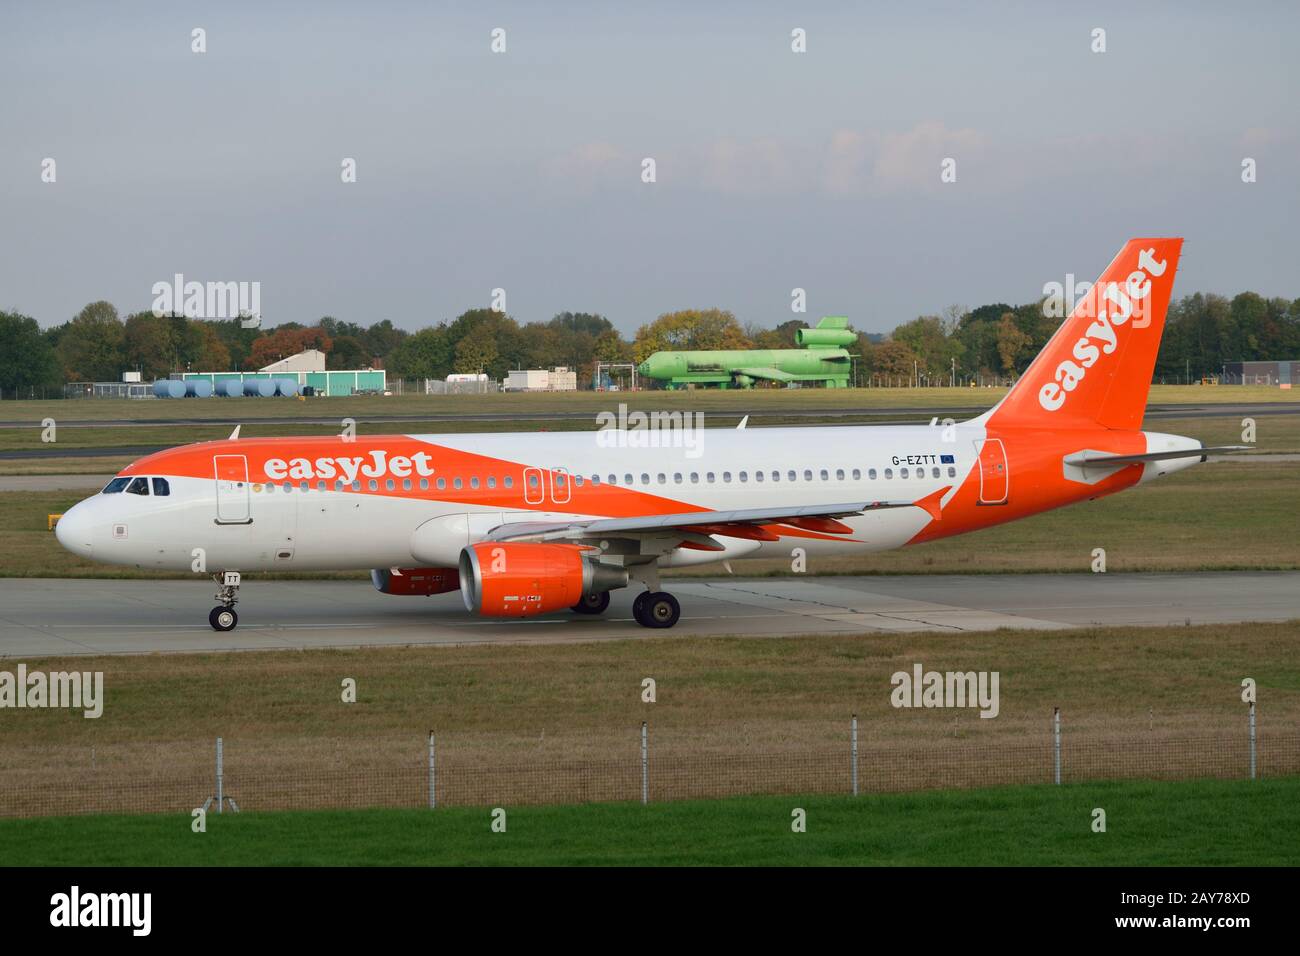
{"x":138,"y":486}
{"x":116,"y":485}
{"x":160,"y":487}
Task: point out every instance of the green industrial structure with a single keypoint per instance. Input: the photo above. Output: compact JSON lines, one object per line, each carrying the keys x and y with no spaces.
{"x":821,"y":358}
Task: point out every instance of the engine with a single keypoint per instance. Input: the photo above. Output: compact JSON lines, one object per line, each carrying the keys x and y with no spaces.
{"x":518,"y":579}
{"x":415,"y":581}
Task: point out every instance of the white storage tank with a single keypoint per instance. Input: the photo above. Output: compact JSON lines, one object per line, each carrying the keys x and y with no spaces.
{"x":169,"y":388}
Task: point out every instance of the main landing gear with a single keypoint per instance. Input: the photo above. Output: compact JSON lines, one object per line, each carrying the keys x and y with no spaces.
{"x":592,"y":603}
{"x":657,"y":609}
{"x":223,"y":616}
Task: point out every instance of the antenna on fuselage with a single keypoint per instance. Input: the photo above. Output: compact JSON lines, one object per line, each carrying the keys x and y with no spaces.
{"x":743,"y":422}
{"x":235,"y":434}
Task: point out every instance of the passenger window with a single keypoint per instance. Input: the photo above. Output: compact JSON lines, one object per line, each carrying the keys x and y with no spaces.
{"x":627,"y":479}
{"x":889,"y":473}
{"x":138,"y":486}
{"x":508,"y":481}
{"x":356,"y":484}
{"x":902,"y":473}
{"x":695,"y":477}
{"x":269,"y":488}
{"x":825,"y":475}
{"x":424,"y":484}
{"x":744,"y":476}
{"x":289,"y":487}
{"x":934,"y":473}
{"x":532,"y":481}
{"x":306,"y":485}
{"x":559,"y":481}
{"x":790,"y":475}
{"x":372,"y":484}
{"x":839,"y":474}
{"x":442,"y":483}
{"x":473,"y":482}
{"x":492,"y":481}
{"x":857,"y":474}
{"x":390,"y":484}
{"x":459,"y":483}
{"x":161,"y":488}
{"x":577,"y":480}
{"x":338,"y":485}
{"x":871,"y":473}
{"x":709,"y":477}
{"x":115,"y":486}
{"x":661,"y":478}
{"x":677,"y":477}
{"x":758,"y":476}
{"x":645,"y":478}
{"x":952,"y":472}
{"x":776,"y":475}
{"x":726,"y":477}
{"x":807,"y":474}
{"x":406,"y":484}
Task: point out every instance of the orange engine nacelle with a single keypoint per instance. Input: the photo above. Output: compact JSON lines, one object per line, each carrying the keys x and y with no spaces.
{"x":518,"y":579}
{"x":421,"y":581}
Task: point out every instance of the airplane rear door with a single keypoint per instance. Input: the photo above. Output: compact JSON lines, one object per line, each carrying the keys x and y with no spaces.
{"x":231,"y":472}
{"x":994,"y":480}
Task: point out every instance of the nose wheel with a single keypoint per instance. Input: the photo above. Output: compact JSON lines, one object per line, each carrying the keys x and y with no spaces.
{"x":656,"y":609}
{"x":223,"y":616}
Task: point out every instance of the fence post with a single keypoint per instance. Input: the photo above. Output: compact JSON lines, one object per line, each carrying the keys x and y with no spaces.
{"x":645,"y":765}
{"x":1252,"y":740}
{"x":1056,"y":734}
{"x":220,"y":783}
{"x":854,"y":749}
{"x":433,"y":792}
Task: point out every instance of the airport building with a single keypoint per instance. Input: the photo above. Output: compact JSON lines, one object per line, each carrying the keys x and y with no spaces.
{"x":1281,"y":374}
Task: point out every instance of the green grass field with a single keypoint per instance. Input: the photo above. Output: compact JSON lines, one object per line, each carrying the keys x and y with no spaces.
{"x":1201,"y":823}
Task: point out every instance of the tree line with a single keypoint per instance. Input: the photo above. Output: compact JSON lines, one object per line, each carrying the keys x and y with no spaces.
{"x":991,"y":342}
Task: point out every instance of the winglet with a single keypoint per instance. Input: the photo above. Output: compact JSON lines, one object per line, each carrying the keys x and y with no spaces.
{"x":235,"y":434}
{"x":930,"y":503}
{"x":743,"y":422}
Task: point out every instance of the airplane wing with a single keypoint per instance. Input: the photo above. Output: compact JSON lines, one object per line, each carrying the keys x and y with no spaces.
{"x":767,"y":372}
{"x":1100,"y":458}
{"x":697,"y":526}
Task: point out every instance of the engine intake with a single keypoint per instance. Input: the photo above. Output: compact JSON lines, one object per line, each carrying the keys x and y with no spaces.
{"x":415,"y":581}
{"x":519,"y":579}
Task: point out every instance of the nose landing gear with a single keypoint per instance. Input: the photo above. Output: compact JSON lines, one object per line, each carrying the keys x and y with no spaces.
{"x":656,"y":609}
{"x":223,"y":616}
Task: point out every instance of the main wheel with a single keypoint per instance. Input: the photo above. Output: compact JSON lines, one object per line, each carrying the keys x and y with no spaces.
{"x":638,"y":606}
{"x":223,"y":618}
{"x":659,"y":610}
{"x":592,"y":603}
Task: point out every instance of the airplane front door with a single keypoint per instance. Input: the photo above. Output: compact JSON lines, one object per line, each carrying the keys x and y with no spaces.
{"x":231,"y":472}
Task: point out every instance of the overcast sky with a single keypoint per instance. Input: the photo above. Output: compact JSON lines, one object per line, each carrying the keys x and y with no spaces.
{"x":522,"y":170}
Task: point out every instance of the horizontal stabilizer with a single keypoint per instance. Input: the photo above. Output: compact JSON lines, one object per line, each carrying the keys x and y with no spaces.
{"x":1096,"y":458}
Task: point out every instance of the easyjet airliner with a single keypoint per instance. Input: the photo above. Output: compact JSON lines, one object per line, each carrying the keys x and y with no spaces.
{"x":526,"y":524}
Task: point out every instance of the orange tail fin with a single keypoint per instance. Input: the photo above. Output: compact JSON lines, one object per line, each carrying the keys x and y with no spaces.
{"x":1097,"y":368}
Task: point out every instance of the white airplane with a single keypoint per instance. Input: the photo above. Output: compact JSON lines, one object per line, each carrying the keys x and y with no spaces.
{"x":529,"y":523}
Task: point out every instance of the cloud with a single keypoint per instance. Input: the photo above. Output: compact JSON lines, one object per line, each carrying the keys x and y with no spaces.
{"x":870,"y":162}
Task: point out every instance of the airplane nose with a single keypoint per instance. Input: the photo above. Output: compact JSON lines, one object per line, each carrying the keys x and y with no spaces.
{"x":73,"y":529}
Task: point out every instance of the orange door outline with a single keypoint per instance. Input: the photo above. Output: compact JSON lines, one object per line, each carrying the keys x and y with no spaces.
{"x":560,"y":479}
{"x":231,"y":473}
{"x":995,"y":481}
{"x":534,"y":486}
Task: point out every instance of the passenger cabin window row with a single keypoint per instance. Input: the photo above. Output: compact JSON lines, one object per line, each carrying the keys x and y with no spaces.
{"x":492,"y":482}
